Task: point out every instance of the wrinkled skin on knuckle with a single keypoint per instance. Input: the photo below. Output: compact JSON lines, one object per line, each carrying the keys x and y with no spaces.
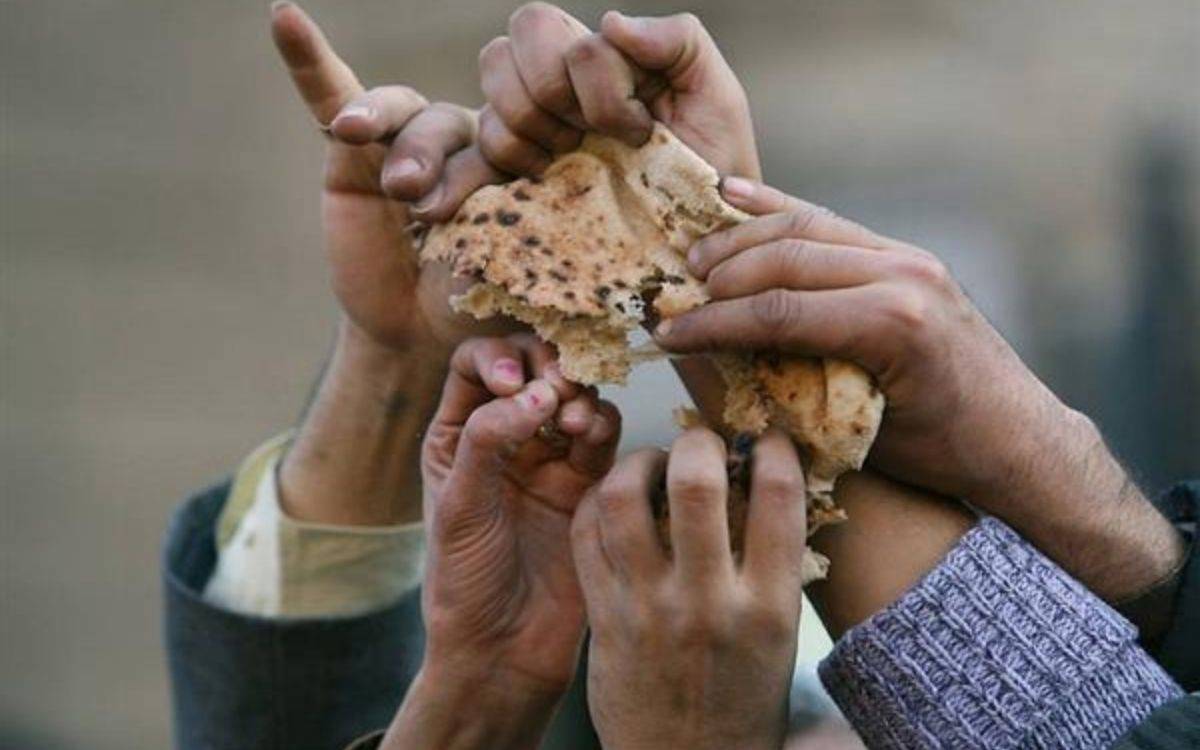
{"x":774,"y":312}
{"x":788,"y":257}
{"x":777,"y":482}
{"x":693,"y":490}
{"x":484,"y":429}
{"x":800,"y":221}
{"x":925,"y":269}
{"x":906,"y":310}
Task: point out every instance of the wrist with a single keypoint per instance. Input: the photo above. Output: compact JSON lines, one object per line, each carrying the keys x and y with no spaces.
{"x":354,"y":460}
{"x":1071,"y":498}
{"x":455,"y":709}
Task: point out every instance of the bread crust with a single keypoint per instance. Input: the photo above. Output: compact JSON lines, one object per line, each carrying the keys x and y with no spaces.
{"x":577,"y":253}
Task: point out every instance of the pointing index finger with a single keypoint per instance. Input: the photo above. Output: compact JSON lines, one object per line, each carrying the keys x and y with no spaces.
{"x":324,"y":81}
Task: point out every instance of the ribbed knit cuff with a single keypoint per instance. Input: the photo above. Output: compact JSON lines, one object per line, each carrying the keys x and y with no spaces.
{"x":996,"y":647}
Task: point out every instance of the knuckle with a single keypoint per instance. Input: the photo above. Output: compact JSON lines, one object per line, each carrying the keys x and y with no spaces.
{"x":770,"y":624}
{"x":926,"y":268}
{"x":800,"y":221}
{"x":614,"y":496}
{"x":698,"y":488}
{"x":484,"y":429}
{"x":907,"y":310}
{"x":690,"y":23}
{"x":773,"y":311}
{"x":788,"y":257}
{"x":776,"y":480}
{"x":702,"y":625}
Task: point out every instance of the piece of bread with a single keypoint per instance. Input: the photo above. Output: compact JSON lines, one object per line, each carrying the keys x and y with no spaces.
{"x":596,"y":246}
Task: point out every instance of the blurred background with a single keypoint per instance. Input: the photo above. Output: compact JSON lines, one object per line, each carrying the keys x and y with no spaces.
{"x":164,"y":303}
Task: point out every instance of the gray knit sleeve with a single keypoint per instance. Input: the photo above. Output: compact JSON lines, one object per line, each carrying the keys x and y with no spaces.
{"x":995,"y":648}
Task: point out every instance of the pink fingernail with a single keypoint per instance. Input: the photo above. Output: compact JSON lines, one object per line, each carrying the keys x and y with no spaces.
{"x":737,"y":188}
{"x":662,"y":329}
{"x":536,"y":395}
{"x":508,"y":369}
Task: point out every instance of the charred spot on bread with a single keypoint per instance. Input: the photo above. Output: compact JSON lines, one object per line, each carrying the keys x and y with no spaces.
{"x":521,"y":195}
{"x":507,"y":218}
{"x":480,"y":218}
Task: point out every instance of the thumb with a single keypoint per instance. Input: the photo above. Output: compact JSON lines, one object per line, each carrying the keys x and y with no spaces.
{"x":676,"y":46}
{"x":495,"y":431}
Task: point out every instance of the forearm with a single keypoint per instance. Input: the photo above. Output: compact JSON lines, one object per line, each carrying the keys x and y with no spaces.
{"x":355,"y":458}
{"x":1073,"y":500}
{"x":894,"y":536}
{"x":447,"y":713}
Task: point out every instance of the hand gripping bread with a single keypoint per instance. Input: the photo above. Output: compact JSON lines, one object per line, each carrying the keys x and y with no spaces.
{"x":596,"y":246}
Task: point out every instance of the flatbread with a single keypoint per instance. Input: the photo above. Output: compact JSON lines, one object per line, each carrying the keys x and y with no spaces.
{"x":576,"y":255}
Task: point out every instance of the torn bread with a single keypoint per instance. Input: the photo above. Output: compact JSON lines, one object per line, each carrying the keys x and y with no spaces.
{"x":595,"y":247}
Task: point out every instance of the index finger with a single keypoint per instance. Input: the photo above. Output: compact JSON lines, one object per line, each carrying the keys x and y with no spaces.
{"x":324,"y":81}
{"x":804,"y":221}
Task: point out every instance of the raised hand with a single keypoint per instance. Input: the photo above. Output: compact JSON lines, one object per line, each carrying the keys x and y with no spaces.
{"x":551,"y":78}
{"x":392,"y":158}
{"x":965,"y":416}
{"x":503,"y":611}
{"x":693,"y":649}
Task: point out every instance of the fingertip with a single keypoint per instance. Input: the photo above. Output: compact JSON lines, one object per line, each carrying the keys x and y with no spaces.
{"x":538,"y":397}
{"x":615,"y":23}
{"x":290,"y":32}
{"x":737,"y":190}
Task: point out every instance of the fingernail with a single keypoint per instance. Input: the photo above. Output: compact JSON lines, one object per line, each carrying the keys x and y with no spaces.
{"x":693,"y":256}
{"x":360,"y":111}
{"x":662,"y":329}
{"x":536,"y":395}
{"x":509,"y":370}
{"x":404,"y":168}
{"x":430,"y":199}
{"x":737,"y":188}
{"x":279,"y":5}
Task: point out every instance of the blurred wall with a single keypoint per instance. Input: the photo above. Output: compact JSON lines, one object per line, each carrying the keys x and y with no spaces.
{"x":163,"y":300}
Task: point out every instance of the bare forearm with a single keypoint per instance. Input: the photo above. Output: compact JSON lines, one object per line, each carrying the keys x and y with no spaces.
{"x":1074,"y":501}
{"x":355,"y":457}
{"x":894,"y":536}
{"x":448,"y":714}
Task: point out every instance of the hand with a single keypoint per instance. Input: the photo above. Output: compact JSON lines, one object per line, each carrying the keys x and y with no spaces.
{"x":552,"y":78}
{"x":693,"y":651}
{"x":503,"y":611}
{"x":965,"y":416}
{"x":387,"y":148}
